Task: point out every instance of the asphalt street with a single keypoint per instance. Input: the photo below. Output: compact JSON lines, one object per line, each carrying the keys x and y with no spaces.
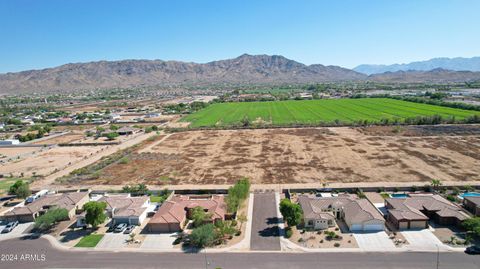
{"x":265,"y":233}
{"x":38,"y":253}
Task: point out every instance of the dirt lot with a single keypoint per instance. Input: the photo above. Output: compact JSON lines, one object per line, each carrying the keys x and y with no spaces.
{"x":44,"y":162}
{"x":308,"y":155}
{"x":67,"y":138}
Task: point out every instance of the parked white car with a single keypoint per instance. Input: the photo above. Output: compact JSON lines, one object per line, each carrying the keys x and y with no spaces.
{"x":10,"y":226}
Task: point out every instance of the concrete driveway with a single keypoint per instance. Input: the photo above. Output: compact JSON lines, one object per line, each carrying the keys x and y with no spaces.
{"x":159,"y":241}
{"x":18,"y":231}
{"x":265,"y":223}
{"x":378,"y":241}
{"x":422,"y":240}
{"x":113,"y":241}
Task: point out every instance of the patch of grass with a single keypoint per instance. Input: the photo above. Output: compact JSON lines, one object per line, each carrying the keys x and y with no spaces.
{"x":89,"y":241}
{"x":385,"y":195}
{"x":317,"y":112}
{"x":5,"y":184}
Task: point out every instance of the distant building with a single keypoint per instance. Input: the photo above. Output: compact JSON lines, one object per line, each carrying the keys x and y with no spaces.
{"x":114,"y":117}
{"x":153,"y":115}
{"x":126,"y":130}
{"x":9,"y":142}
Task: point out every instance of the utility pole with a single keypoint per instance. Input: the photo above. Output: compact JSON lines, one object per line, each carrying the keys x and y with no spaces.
{"x":438,"y":256}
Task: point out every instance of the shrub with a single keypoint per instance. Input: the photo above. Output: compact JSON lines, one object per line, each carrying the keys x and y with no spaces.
{"x":336,"y":245}
{"x":203,"y":236}
{"x":50,"y":218}
{"x":451,"y":198}
{"x":288,"y":233}
{"x":321,"y":241}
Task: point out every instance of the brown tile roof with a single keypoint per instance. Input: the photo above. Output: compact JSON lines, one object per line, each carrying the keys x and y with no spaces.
{"x":125,"y":206}
{"x":475,"y":200}
{"x":361,"y":210}
{"x":61,"y":200}
{"x":355,"y":210}
{"x":410,"y":208}
{"x":173,"y":211}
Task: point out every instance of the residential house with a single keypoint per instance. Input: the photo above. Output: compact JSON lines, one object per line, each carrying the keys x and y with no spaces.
{"x":126,"y":131}
{"x":123,"y":209}
{"x":415,"y":211}
{"x":472,"y":204}
{"x":71,"y":201}
{"x":126,"y":209}
{"x":358,"y":214}
{"x":173,"y":214}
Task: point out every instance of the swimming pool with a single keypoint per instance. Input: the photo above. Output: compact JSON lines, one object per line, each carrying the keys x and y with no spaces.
{"x":470,"y":194}
{"x":398,"y":195}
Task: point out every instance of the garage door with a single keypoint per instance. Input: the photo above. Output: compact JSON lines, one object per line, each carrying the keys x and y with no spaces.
{"x":373,"y":227}
{"x":418,"y":224}
{"x":403,"y":225}
{"x":356,"y":227}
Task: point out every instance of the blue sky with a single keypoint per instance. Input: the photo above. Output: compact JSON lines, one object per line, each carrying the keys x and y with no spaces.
{"x":38,"y":34}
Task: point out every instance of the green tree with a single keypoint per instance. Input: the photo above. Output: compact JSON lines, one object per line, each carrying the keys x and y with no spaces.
{"x":292,"y":213}
{"x":237,"y":194}
{"x":50,"y":218}
{"x":111,"y":136}
{"x":95,"y":213}
{"x":436,"y":183}
{"x":472,"y":226}
{"x":21,"y":189}
{"x":204,"y":236}
{"x":199,"y":216}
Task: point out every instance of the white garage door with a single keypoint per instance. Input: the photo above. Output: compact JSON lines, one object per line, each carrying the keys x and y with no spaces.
{"x":373,"y":227}
{"x":356,"y":227}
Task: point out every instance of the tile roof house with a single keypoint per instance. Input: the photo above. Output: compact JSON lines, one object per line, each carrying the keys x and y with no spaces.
{"x":71,"y":201}
{"x":472,"y":204}
{"x":126,"y":209}
{"x":414,"y":211}
{"x":358,"y":214}
{"x":172,"y":215}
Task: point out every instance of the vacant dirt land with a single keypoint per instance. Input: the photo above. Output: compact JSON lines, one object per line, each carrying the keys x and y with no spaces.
{"x":307,"y":155}
{"x":66,"y":138}
{"x":46,"y":161}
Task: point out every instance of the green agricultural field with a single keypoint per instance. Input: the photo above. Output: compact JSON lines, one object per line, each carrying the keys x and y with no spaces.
{"x":318,"y":111}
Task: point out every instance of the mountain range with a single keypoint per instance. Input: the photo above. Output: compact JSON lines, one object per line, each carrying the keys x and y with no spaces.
{"x":454,"y":64}
{"x":245,"y":69}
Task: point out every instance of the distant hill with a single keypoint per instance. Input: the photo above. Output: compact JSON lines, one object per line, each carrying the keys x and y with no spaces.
{"x":455,"y":64}
{"x":433,"y":76}
{"x":245,"y":69}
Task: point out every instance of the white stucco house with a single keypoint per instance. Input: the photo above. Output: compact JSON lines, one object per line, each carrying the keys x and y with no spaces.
{"x":359,"y":214}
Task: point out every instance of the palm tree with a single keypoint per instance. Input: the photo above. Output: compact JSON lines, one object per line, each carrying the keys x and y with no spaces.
{"x":436,"y":183}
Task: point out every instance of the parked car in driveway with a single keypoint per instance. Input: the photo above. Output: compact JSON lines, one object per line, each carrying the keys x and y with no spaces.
{"x":10,"y":226}
{"x":120,"y":228}
{"x":473,"y":250}
{"x":129,"y":229}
